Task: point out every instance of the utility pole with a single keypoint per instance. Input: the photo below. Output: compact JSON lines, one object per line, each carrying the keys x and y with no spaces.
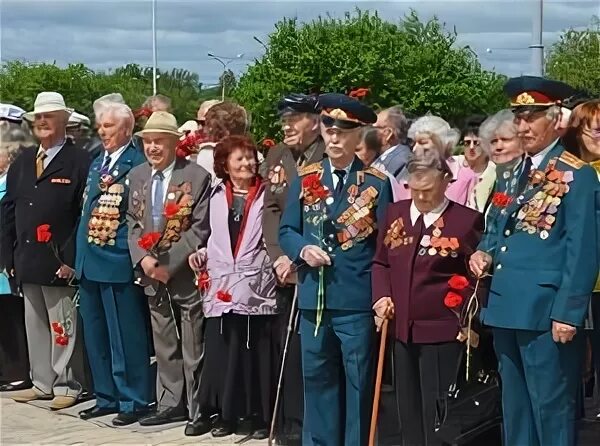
{"x":154,"y":47}
{"x":537,"y":48}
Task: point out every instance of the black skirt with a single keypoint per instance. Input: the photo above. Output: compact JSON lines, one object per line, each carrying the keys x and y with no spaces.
{"x":239,"y":375}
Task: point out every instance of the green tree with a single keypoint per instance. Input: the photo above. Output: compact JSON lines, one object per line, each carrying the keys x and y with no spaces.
{"x":227,"y":80}
{"x":575,"y":58}
{"x":414,"y":64}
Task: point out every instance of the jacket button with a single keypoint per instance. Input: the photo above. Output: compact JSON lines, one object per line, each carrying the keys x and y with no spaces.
{"x":507,"y":232}
{"x":499,"y":266}
{"x":26,"y":241}
{"x":30,"y":204}
{"x":503,"y":249}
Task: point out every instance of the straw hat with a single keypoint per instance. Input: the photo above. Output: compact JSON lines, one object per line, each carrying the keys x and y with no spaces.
{"x":161,"y":122}
{"x":46,"y":102}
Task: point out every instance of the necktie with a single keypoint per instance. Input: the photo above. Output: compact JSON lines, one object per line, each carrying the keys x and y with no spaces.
{"x":525,"y":174}
{"x":39,"y":162}
{"x":105,"y":165}
{"x":158,"y":200}
{"x":340,"y":184}
{"x":300,"y":161}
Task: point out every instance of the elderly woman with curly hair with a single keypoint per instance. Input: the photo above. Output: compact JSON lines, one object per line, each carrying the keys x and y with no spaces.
{"x":236,"y":279}
{"x":433,"y":132}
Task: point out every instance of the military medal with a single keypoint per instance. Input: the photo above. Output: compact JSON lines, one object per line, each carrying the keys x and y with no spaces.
{"x":352,"y":193}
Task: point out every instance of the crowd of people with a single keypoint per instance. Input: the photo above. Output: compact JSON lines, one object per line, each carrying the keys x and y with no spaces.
{"x":174,"y":274}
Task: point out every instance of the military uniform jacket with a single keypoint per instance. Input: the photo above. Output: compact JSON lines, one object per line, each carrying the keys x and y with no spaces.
{"x":54,"y":199}
{"x":346,"y":229}
{"x":544,"y":247}
{"x":102,"y":248}
{"x":281,"y":171}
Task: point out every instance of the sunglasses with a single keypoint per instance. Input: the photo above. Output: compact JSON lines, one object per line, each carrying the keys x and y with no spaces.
{"x":471,"y":142}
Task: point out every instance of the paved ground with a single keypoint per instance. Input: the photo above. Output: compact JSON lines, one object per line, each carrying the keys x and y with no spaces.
{"x":31,"y":424}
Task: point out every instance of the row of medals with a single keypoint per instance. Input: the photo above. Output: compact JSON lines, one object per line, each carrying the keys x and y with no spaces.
{"x":357,"y":219}
{"x":396,"y":237}
{"x":104,"y":220}
{"x":538,"y":214}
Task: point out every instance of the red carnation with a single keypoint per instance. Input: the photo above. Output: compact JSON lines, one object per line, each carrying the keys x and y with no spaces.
{"x":57,"y":328}
{"x":224,"y":296}
{"x":63,"y":341}
{"x":43,"y":233}
{"x":190,"y":144}
{"x":268,"y":143}
{"x":458,"y":283}
{"x":311,"y":182}
{"x":203,"y":281}
{"x":359,"y":93}
{"x":501,"y":200}
{"x":146,"y":112}
{"x":453,"y":300}
{"x":171,"y":210}
{"x":149,"y":240}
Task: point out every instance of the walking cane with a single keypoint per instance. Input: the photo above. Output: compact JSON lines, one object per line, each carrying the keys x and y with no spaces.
{"x":290,"y":329}
{"x":375,"y":412}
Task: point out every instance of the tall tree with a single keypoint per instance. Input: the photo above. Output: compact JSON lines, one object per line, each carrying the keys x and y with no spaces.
{"x":414,"y":64}
{"x":575,"y":58}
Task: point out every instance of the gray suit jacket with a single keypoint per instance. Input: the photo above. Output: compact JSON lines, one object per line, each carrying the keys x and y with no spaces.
{"x":395,"y":162}
{"x":189,"y":182}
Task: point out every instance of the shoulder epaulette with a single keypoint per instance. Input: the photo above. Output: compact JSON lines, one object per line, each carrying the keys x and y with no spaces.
{"x":376,"y":172}
{"x":571,"y":160}
{"x":311,"y":168}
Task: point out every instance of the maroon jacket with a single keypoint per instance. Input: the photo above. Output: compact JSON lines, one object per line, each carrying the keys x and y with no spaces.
{"x":416,"y":281}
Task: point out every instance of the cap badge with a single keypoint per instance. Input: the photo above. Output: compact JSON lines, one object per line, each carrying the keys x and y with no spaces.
{"x":525,"y":99}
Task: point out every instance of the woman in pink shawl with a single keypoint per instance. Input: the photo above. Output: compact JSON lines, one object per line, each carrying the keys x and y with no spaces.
{"x":433,"y":132}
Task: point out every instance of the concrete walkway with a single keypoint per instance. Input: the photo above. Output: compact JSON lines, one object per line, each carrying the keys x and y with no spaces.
{"x":35,"y":424}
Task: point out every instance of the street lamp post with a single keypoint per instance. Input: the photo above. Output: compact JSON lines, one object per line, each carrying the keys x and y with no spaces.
{"x":537,"y":48}
{"x":154,"y":47}
{"x":224,"y":61}
{"x":261,"y":42}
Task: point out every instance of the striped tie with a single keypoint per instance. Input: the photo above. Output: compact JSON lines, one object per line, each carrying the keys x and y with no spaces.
{"x":39,"y":162}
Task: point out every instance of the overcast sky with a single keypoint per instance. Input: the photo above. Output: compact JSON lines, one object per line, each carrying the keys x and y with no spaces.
{"x":108,"y":34}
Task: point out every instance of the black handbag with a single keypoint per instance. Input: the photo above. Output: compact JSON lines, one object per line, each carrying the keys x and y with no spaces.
{"x":469,"y":408}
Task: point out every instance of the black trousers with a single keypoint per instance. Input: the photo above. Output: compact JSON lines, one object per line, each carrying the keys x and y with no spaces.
{"x":423,"y":373}
{"x":14,"y":359}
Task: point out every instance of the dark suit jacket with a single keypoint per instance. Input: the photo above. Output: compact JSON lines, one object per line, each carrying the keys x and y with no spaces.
{"x":139,"y":219}
{"x":418,"y":283}
{"x":108,"y":264}
{"x":54,"y":199}
{"x":276,"y":197}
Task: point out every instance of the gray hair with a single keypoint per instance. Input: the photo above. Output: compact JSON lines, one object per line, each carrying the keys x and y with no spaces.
{"x":16,"y":133}
{"x":434,"y":125}
{"x":504,"y":119}
{"x":165,"y":100}
{"x":398,"y":122}
{"x":427,"y":160}
{"x":120,"y":111}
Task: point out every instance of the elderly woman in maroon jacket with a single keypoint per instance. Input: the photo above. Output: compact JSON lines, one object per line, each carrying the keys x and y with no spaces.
{"x":420,"y":279}
{"x":237,"y":285}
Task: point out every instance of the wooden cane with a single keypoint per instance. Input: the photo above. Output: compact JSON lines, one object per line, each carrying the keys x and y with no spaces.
{"x":380,"y":360}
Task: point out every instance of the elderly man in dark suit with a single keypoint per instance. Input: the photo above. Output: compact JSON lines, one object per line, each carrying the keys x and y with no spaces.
{"x":39,"y":218}
{"x":168,"y":220}
{"x":392,"y":129}
{"x":302,"y":145}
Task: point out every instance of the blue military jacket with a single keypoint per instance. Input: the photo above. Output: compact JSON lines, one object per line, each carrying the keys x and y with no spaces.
{"x":345,"y":228}
{"x":102,"y":249}
{"x":543,"y":244}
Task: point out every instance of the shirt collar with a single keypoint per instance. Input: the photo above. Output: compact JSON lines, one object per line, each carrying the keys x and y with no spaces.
{"x":167,"y":171}
{"x":385,"y":154}
{"x":51,"y":150}
{"x":430,"y":217}
{"x":117,"y":153}
{"x":347,"y":168}
{"x":537,"y":159}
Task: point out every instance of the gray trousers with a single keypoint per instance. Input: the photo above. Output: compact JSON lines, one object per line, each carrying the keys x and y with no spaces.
{"x":51,"y":364}
{"x":179,"y":361}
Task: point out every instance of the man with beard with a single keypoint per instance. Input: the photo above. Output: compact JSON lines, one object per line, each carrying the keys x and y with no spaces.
{"x":302,"y":145}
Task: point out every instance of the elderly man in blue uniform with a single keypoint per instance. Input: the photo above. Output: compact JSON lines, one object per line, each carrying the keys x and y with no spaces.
{"x":114,"y":310}
{"x":329,"y":227}
{"x":544,"y":263}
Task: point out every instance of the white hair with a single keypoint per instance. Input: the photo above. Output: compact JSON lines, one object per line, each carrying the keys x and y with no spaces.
{"x":504,"y":119}
{"x":434,"y":125}
{"x":120,"y":111}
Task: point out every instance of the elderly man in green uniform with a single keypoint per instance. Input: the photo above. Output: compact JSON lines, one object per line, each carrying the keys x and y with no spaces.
{"x":330,"y":226}
{"x":543,"y":256}
{"x":302,"y":145}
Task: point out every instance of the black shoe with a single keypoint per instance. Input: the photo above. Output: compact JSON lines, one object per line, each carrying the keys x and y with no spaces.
{"x":127,"y":418}
{"x":95,"y":412}
{"x":86,"y":396}
{"x":244,"y":426}
{"x":224,"y":430}
{"x":199,"y":427}
{"x":22,"y":385}
{"x":166,"y":416}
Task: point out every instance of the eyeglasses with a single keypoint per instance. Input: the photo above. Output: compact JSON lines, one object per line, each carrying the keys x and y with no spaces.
{"x":471,"y":142}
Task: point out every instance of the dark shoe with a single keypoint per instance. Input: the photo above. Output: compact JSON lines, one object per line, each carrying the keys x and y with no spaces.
{"x":125,"y":419}
{"x":17,"y":385}
{"x":199,"y":427}
{"x":95,"y":412}
{"x":244,"y":426}
{"x":224,"y":430}
{"x":260,"y":434}
{"x":170,"y":415}
{"x":85,"y":396}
